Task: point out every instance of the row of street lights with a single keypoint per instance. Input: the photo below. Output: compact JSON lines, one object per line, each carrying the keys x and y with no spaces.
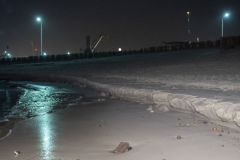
{"x":39,"y":19}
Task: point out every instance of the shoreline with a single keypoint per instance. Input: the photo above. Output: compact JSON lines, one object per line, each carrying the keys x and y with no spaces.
{"x":8,"y":124}
{"x":158,"y":98}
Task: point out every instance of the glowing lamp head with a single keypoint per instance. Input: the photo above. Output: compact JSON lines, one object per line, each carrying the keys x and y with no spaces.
{"x":119,"y":49}
{"x":68,"y":53}
{"x":44,"y":54}
{"x":226,"y":15}
{"x":9,"y":55}
{"x":39,"y":19}
{"x":188,"y":13}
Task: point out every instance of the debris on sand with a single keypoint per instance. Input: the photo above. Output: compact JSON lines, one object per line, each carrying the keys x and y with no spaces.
{"x":220,"y":130}
{"x":220,"y":135}
{"x":16,"y":153}
{"x":122,"y":148}
{"x":179,"y":137}
{"x":216,"y":130}
{"x":150,"y":109}
{"x":205,"y":122}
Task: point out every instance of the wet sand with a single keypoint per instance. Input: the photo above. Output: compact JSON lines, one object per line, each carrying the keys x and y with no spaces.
{"x":92,"y":130}
{"x":7,"y":126}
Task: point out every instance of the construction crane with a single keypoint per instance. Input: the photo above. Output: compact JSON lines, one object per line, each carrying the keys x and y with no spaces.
{"x":92,"y":46}
{"x":96,"y":43}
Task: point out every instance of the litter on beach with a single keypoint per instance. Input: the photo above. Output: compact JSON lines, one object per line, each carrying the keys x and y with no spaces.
{"x":122,"y":148}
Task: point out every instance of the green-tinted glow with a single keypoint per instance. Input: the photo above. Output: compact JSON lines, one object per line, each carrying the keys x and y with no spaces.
{"x":46,"y":137}
{"x":226,"y":15}
{"x":39,"y":19}
{"x":39,"y":100}
{"x":7,"y":54}
{"x":36,"y":100}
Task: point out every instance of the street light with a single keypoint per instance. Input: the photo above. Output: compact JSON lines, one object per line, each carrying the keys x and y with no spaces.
{"x":189,"y":33}
{"x":39,"y":20}
{"x":226,"y":15}
{"x":7,"y":54}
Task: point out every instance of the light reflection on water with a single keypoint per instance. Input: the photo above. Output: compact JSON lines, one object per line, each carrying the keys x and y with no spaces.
{"x":47,"y":135}
{"x":38,"y":100}
{"x":35,"y":100}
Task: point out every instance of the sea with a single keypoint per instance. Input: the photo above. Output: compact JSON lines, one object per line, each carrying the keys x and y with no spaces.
{"x":29,"y":99}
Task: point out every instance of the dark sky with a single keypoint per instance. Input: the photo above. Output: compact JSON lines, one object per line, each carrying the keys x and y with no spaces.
{"x":128,"y":24}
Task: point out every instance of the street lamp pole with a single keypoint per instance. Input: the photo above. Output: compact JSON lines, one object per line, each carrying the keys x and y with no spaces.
{"x":188,"y":21}
{"x":41,"y":38}
{"x":226,"y":15}
{"x":222,"y":26}
{"x":189,"y":26}
{"x":39,"y":20}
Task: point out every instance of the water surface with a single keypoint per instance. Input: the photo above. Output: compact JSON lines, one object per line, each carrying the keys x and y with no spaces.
{"x":27,"y":99}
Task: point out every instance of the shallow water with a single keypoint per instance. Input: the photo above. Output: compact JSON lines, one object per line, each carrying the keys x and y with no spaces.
{"x":25,"y":99}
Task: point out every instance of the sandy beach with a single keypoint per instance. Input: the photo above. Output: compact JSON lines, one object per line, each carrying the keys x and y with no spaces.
{"x":120,"y":80}
{"x":196,"y":83}
{"x":205,"y":81}
{"x":91,"y":131}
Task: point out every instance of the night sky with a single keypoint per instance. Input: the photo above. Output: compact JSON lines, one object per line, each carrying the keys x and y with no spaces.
{"x":130,"y":24}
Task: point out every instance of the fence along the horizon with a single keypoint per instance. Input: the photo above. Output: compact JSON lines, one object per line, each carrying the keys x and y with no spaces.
{"x":225,"y":43}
